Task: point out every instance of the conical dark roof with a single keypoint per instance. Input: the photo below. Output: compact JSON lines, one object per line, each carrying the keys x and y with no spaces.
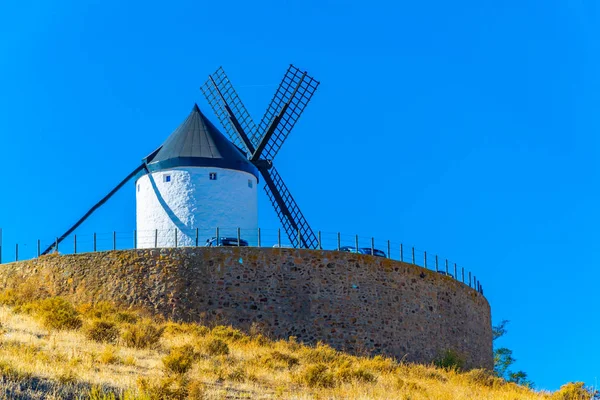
{"x":198,"y":143}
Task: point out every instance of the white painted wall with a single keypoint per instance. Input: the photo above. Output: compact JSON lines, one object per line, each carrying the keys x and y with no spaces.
{"x":191,"y":200}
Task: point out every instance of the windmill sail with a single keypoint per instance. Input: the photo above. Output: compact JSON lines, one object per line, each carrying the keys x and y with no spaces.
{"x":295,"y":225}
{"x":291,"y":98}
{"x":230,"y":110}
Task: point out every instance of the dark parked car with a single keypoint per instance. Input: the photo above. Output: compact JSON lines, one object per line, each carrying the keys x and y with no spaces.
{"x":364,"y":250}
{"x":225,"y":241}
{"x":446,"y":273}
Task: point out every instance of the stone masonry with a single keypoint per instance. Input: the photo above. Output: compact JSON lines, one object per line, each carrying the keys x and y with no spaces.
{"x":358,"y":303}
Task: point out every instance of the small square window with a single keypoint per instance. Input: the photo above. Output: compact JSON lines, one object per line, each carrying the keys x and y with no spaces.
{"x":166,"y":178}
{"x":212,"y":176}
{"x":250,"y":183}
{"x":138,"y":187}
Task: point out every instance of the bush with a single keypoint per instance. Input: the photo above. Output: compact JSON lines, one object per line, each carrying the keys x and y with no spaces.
{"x":279,"y":360}
{"x":217,"y":347}
{"x":228,"y":333}
{"x":109,"y":356}
{"x":101,"y":331}
{"x":317,"y":376}
{"x":450,"y":360}
{"x":55,"y":313}
{"x":322,"y":353}
{"x":348,"y":374}
{"x":484,"y":377}
{"x":179,"y":360}
{"x":142,"y":335}
{"x":573,"y":391}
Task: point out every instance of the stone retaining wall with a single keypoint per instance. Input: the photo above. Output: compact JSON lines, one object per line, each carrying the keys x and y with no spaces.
{"x":353,"y":302}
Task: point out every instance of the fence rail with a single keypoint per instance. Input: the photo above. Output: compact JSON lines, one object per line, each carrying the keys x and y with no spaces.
{"x":119,"y":240}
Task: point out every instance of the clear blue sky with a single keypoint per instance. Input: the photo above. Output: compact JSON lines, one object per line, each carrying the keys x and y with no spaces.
{"x":467,"y":128}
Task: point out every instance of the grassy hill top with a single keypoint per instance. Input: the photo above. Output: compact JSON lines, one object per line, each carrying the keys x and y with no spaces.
{"x":51,"y":349}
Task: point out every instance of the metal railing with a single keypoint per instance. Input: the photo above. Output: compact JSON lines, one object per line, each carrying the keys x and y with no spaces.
{"x":119,"y":240}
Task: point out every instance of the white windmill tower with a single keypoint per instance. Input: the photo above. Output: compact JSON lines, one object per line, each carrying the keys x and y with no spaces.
{"x":196,"y":179}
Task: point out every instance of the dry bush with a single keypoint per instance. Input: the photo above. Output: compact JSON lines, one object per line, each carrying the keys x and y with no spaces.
{"x":229,"y":333}
{"x":277,"y":360}
{"x":316,"y":376}
{"x":54,"y":313}
{"x":182,"y":328}
{"x":102,"y":331}
{"x":322,"y":353}
{"x":179,"y":360}
{"x":143,"y":335}
{"x":573,"y":391}
{"x":216,"y":347}
{"x":109,"y":356}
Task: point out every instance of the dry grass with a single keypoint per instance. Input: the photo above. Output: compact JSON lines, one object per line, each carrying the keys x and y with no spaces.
{"x":129,"y":357}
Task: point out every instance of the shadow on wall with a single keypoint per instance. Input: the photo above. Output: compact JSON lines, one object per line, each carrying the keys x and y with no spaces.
{"x":178,"y":223}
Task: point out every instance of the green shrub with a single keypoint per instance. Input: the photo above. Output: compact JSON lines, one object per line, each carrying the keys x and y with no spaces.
{"x":217,"y":347}
{"x":179,"y":360}
{"x":102,"y":331}
{"x":317,"y":376}
{"x":450,"y":360}
{"x":55,"y":313}
{"x":142,"y":335}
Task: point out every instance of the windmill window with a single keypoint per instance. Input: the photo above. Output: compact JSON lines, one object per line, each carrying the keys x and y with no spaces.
{"x":212,"y":176}
{"x":166,"y":178}
{"x":138,"y":187}
{"x":250,"y":183}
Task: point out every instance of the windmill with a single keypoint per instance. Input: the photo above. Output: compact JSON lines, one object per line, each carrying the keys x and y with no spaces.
{"x":263,"y":142}
{"x":199,"y":178}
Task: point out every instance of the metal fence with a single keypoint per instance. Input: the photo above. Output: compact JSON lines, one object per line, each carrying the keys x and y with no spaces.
{"x":335,"y":241}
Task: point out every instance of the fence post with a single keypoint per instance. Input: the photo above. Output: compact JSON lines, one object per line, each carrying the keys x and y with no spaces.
{"x":196,"y":237}
{"x":279,"y":237}
{"x":238,"y":236}
{"x":357,"y":243}
{"x":38,"y":250}
{"x":94,"y":242}
{"x":258,"y":237}
{"x":175,"y":237}
{"x":413,"y":255}
{"x":17,"y":252}
{"x":455,"y":272}
{"x":447,"y":272}
{"x":217,"y":235}
{"x":114,"y":240}
{"x":74,"y":244}
{"x":56,"y":245}
{"x":469,"y":278}
{"x":436,"y":264}
{"x":463,"y":274}
{"x":319,"y":239}
{"x":339,"y":241}
{"x":299,"y":240}
{"x":425,"y":258}
{"x":372,"y":246}
{"x":389,"y":250}
{"x":156,"y":238}
{"x":474,"y":282}
{"x":135,"y":239}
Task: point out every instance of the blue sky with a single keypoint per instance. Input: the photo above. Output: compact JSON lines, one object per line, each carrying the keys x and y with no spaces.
{"x":466,"y":128}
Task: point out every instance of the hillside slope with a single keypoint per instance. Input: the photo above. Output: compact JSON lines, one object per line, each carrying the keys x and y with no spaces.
{"x":50,"y":349}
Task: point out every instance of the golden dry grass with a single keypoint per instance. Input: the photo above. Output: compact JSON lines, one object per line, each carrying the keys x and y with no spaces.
{"x":189,"y":361}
